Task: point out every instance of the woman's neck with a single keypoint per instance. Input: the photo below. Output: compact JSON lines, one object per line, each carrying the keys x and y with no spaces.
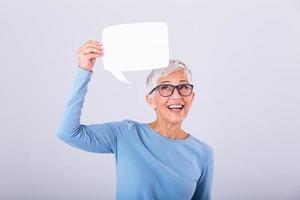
{"x":172,"y":131}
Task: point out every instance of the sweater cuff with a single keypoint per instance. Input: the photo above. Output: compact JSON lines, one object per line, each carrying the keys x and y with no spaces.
{"x":85,"y":70}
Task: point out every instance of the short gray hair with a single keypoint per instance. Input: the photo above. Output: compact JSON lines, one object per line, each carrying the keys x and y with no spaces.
{"x":156,"y":74}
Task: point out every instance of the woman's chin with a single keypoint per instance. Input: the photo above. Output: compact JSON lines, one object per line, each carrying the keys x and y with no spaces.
{"x":174,"y":117}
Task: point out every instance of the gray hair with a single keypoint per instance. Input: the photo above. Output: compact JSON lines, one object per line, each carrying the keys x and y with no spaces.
{"x":156,"y":74}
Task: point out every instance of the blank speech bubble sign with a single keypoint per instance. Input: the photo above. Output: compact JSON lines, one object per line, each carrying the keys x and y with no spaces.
{"x":135,"y":47}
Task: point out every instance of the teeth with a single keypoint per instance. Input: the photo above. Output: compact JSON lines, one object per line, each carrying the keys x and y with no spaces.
{"x":175,"y":106}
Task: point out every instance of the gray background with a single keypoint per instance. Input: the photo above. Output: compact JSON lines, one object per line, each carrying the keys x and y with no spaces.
{"x":244,"y":56}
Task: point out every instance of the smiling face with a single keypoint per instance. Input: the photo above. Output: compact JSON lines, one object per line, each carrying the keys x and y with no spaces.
{"x":160,"y":103}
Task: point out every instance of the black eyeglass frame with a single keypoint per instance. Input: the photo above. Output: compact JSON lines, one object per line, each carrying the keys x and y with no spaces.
{"x":174,"y":86}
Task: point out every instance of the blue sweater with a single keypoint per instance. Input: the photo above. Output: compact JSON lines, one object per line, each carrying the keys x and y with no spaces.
{"x":149,"y":166}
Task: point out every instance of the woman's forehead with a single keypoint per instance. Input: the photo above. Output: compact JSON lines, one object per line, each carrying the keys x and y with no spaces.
{"x":174,"y":81}
{"x":178,"y":76}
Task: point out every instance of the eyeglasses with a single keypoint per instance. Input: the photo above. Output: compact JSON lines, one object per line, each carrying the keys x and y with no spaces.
{"x":167,"y":90}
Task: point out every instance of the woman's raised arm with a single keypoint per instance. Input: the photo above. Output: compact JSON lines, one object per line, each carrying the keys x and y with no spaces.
{"x":100,"y":138}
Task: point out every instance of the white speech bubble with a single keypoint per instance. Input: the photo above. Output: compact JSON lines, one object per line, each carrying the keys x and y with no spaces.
{"x":134,"y":47}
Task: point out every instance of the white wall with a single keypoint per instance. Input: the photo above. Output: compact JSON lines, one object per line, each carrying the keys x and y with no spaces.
{"x":244,"y":56}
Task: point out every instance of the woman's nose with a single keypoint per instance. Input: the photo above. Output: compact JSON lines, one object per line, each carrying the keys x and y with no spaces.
{"x":176,"y":94}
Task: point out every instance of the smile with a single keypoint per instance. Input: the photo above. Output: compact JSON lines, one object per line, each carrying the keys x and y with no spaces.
{"x":175,"y":108}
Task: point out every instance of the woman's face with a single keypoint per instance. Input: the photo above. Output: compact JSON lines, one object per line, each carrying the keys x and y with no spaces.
{"x":161,"y":103}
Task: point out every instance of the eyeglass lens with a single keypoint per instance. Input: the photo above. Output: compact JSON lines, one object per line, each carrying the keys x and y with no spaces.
{"x":167,"y":90}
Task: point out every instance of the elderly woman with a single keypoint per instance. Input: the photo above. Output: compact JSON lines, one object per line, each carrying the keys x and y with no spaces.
{"x":156,"y":160}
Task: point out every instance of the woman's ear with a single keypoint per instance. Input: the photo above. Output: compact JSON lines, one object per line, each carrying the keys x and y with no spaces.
{"x":150,"y":101}
{"x":193,"y":98}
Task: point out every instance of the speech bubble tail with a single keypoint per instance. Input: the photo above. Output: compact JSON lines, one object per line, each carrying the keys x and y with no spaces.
{"x":119,"y":75}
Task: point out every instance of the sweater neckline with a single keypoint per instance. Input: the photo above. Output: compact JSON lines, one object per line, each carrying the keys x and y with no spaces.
{"x":166,"y":138}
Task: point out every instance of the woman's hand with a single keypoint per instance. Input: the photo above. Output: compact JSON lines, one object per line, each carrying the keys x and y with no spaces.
{"x":88,"y":53}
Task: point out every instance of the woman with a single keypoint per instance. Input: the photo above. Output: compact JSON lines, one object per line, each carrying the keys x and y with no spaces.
{"x":156,"y":160}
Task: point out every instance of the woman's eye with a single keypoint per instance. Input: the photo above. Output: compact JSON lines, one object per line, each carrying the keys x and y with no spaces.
{"x":183,"y":87}
{"x":165,"y":87}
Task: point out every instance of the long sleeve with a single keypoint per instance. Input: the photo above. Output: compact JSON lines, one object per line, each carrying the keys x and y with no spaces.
{"x":204,"y":184}
{"x":98,"y":138}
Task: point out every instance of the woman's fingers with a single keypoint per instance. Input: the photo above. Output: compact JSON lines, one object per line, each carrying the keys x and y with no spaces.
{"x":94,"y":55}
{"x":100,"y":46}
{"x":91,"y":50}
{"x":91,"y":43}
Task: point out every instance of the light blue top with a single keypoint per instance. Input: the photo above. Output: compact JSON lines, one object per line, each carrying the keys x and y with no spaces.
{"x":149,"y":166}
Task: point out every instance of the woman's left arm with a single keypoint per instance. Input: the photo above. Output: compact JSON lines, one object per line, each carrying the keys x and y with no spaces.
{"x":204,"y":184}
